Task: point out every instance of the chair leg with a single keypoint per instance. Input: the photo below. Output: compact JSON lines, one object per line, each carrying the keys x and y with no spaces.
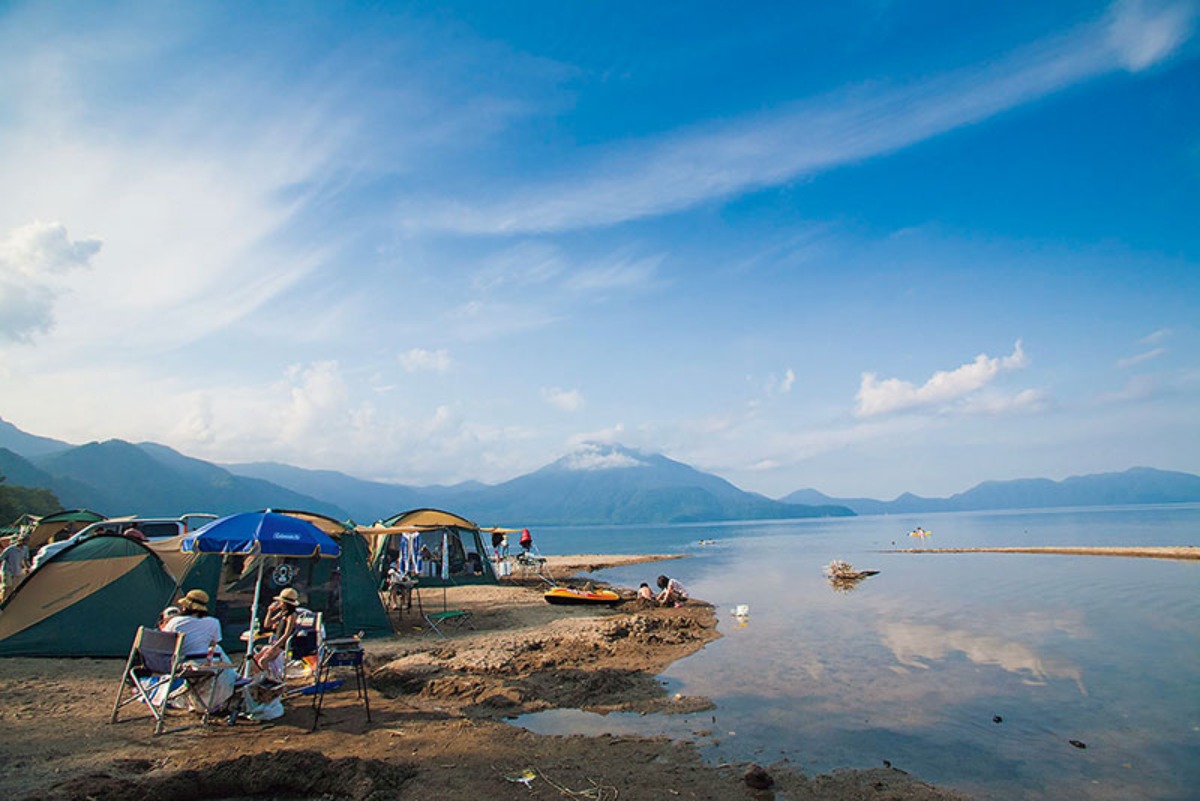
{"x":121,"y":688}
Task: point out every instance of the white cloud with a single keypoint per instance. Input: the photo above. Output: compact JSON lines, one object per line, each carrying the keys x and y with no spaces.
{"x":595,"y":456}
{"x":876,"y":397}
{"x":670,"y":173}
{"x":421,"y":360}
{"x":33,"y":259}
{"x":566,"y":400}
{"x":1144,"y":32}
{"x":1131,"y":361}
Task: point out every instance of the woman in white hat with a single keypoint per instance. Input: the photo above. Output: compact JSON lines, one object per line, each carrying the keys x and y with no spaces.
{"x":201,"y":632}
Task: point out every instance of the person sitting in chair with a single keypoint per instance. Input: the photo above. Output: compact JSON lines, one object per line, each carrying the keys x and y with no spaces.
{"x":400,"y":587}
{"x":280,"y":621}
{"x":201,"y":632}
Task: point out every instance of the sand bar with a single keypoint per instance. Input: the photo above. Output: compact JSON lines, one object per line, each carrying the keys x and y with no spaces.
{"x":1185,"y":552}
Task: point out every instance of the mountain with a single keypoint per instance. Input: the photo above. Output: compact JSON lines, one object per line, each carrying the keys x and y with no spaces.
{"x":28,"y":445}
{"x":609,"y":484}
{"x":1138,"y":485}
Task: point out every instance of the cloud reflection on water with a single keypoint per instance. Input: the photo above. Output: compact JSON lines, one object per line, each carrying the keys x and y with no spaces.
{"x":916,"y":645}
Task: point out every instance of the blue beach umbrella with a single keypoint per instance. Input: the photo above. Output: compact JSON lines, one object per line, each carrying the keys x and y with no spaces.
{"x":261,"y":534}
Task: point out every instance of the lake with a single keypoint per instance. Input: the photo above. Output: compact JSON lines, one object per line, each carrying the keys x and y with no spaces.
{"x":972,"y":671}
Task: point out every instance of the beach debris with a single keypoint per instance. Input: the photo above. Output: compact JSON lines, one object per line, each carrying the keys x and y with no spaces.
{"x":843,"y":577}
{"x":1077,"y":744}
{"x":525,"y":777}
{"x":920,"y":533}
{"x":756,"y":777}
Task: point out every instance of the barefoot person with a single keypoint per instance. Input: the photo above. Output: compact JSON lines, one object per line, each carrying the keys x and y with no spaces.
{"x":671,"y":592}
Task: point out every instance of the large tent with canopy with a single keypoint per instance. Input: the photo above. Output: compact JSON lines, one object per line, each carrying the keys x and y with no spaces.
{"x":343,"y":590}
{"x":438,"y":547}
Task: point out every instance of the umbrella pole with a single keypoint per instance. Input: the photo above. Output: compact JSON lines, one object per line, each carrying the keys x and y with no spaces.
{"x":254,"y":616}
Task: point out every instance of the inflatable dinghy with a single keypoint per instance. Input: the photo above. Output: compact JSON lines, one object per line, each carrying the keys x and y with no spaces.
{"x":566,"y":595}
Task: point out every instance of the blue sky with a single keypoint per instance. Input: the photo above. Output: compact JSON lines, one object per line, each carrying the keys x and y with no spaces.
{"x":864,"y":247}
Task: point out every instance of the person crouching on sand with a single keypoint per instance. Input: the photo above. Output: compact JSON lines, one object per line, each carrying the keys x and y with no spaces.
{"x":671,"y":592}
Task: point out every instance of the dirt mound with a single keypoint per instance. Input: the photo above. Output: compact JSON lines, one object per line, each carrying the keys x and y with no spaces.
{"x":273,"y":775}
{"x":605,"y":664}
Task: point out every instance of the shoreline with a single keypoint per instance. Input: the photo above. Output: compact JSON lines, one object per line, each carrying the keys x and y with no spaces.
{"x":439,"y":717}
{"x":1180,"y":552}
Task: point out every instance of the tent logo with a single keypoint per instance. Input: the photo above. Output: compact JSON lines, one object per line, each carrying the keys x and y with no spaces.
{"x":282,"y":536}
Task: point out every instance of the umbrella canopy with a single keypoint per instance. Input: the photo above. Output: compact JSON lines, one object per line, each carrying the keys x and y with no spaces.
{"x":267,"y":533}
{"x":260,"y":534}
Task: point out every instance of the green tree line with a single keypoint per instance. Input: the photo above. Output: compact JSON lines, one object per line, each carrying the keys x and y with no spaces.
{"x":16,"y":501}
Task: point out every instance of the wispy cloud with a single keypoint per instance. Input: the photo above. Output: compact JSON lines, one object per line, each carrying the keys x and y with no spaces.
{"x":876,"y":396}
{"x":1132,"y":361}
{"x":663,"y":175}
{"x":33,"y":260}
{"x":1155,"y":337}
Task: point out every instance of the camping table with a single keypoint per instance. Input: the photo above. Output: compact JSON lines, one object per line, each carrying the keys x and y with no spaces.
{"x":345,"y":652}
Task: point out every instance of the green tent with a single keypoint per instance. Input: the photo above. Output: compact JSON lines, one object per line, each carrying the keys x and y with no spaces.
{"x":86,"y":600}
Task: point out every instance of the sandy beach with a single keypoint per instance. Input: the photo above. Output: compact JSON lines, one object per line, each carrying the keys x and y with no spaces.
{"x":1184,"y":552}
{"x":438,"y":712}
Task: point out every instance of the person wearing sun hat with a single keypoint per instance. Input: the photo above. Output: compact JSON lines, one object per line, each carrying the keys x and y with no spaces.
{"x":280,"y":621}
{"x":201,"y":632}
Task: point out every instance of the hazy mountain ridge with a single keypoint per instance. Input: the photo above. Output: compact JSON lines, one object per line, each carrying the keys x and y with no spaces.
{"x":119,"y":478}
{"x":1137,"y":485}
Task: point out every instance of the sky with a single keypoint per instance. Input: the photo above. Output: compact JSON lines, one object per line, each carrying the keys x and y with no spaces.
{"x":864,"y":247}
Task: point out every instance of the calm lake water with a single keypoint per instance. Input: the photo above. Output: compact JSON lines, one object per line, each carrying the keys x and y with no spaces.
{"x":915,"y":664}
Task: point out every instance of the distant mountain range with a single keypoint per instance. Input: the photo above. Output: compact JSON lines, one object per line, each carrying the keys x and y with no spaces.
{"x":1138,"y":485}
{"x":594,"y":485}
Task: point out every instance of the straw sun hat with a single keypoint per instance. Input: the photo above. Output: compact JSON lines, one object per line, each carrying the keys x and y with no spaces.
{"x":289,"y":596}
{"x":195,"y":599}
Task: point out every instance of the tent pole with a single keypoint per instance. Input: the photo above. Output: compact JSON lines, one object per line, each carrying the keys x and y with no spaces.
{"x":254,"y":614}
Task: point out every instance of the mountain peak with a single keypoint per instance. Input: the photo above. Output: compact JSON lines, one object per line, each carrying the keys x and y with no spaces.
{"x":602,"y":456}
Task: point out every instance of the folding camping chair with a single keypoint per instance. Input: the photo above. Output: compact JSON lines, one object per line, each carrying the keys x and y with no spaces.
{"x":156,"y":671}
{"x":304,"y":647}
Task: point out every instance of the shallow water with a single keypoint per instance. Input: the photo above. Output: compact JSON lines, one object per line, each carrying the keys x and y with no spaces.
{"x":915,"y":664}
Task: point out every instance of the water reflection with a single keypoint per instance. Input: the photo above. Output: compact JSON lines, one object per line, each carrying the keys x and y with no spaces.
{"x":915,"y":664}
{"x":915,"y":646}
